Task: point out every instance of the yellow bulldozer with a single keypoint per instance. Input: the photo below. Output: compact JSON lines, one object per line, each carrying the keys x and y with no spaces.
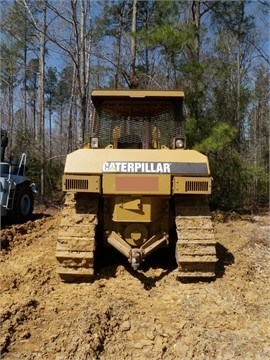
{"x":136,"y":188}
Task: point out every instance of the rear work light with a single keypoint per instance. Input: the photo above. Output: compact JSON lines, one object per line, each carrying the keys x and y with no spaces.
{"x":179,"y":143}
{"x":94,"y":142}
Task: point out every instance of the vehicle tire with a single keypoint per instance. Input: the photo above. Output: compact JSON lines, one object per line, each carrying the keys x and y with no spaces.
{"x":23,"y":203}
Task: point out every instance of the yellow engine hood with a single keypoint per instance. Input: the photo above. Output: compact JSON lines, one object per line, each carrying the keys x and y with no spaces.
{"x":99,"y":161}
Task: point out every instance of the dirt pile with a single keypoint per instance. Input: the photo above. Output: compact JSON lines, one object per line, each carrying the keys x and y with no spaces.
{"x":135,"y":315}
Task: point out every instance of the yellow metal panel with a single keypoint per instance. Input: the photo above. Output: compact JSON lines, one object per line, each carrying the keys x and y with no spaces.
{"x":150,"y":209}
{"x":103,"y":93}
{"x":131,"y":204}
{"x":81,"y":183}
{"x":192,"y":185}
{"x":97,"y":161}
{"x":154,"y":184}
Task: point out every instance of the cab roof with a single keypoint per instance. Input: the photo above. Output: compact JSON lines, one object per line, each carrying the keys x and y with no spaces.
{"x":136,"y":102}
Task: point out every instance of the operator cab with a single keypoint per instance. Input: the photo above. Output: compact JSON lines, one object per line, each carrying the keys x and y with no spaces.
{"x":137,"y":119}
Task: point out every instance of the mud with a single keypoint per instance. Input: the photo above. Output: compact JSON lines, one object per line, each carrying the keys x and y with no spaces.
{"x":140,"y":315}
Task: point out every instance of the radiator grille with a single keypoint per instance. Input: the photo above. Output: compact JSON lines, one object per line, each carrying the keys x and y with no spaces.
{"x":76,"y":184}
{"x":191,"y":186}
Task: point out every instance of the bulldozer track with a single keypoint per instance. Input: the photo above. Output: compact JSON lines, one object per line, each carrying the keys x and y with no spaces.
{"x":196,"y":245}
{"x":75,"y":247}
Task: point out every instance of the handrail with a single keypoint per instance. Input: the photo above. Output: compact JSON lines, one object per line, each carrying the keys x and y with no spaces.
{"x":22,"y":164}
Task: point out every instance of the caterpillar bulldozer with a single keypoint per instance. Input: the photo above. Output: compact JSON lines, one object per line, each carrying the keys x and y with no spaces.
{"x":17,"y":192}
{"x":136,"y":187}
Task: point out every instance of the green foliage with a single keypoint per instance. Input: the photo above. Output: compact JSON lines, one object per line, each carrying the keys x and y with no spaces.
{"x":227,"y":167}
{"x":167,"y":35}
{"x":258,"y":185}
{"x":53,"y":169}
{"x":63,"y":89}
{"x":232,"y":16}
{"x":230,"y":180}
{"x":51,"y":80}
{"x":237,"y":184}
{"x":52,"y":176}
{"x":53,"y":180}
{"x":9,"y":64}
{"x":220,"y":136}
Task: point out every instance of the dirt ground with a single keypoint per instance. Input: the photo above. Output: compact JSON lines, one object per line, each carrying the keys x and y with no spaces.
{"x":135,"y":315}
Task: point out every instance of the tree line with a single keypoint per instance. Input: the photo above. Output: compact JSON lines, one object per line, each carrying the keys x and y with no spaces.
{"x":54,"y":53}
